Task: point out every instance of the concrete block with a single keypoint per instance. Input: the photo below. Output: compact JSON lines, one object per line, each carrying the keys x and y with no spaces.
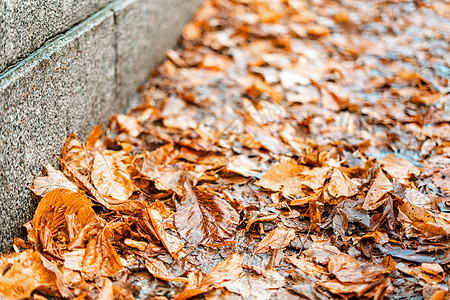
{"x":67,"y":85}
{"x":72,"y":83}
{"x":25,"y":25}
{"x":145,"y":29}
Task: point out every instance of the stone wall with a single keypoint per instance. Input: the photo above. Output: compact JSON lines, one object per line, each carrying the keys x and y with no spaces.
{"x":69,"y":81}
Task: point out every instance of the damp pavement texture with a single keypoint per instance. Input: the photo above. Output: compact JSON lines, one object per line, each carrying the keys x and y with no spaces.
{"x":287,"y":149}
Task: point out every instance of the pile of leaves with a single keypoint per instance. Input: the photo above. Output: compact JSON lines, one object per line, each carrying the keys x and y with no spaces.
{"x":288,"y":149}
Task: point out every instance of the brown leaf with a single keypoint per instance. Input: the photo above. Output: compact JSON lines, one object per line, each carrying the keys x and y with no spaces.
{"x":227,"y":270}
{"x":125,"y":207}
{"x":60,"y":203}
{"x":306,"y":266}
{"x":399,"y":169}
{"x":159,"y":270}
{"x":347,"y":290}
{"x":380,"y":186}
{"x":110,"y":176}
{"x":74,"y":153}
{"x":173,"y":244}
{"x":320,"y":252}
{"x":419,"y":221}
{"x":340,"y":185}
{"x":284,"y":177}
{"x":347,"y":269}
{"x":106,"y":292}
{"x":94,"y":137}
{"x":26,"y":272}
{"x":54,"y":179}
{"x":277,"y":239}
{"x":204,"y":217}
{"x":243,"y":165}
{"x":100,"y":258}
{"x":315,"y":177}
{"x":53,"y":212}
{"x":126,"y":124}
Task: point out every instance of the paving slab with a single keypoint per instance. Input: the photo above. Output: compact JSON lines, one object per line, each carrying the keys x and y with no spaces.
{"x":68,"y":85}
{"x":145,"y":30}
{"x":26,"y":25}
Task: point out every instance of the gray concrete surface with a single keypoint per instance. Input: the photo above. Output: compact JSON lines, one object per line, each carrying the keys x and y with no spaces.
{"x":66,"y":86}
{"x":167,"y":18}
{"x":71,"y":84}
{"x":25,"y":25}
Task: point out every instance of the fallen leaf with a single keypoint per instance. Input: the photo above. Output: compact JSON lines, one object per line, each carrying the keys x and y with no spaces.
{"x":227,"y":270}
{"x":54,"y":179}
{"x":159,"y":270}
{"x":380,"y":186}
{"x":100,"y":258}
{"x":306,"y":266}
{"x":74,"y":153}
{"x":400,"y":169}
{"x":94,"y":137}
{"x":202,"y":216}
{"x":278,"y":238}
{"x":24,"y":273}
{"x":284,"y":177}
{"x":173,"y":244}
{"x":110,"y":176}
{"x":340,"y":185}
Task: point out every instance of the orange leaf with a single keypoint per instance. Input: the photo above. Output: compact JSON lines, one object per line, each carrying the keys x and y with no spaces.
{"x":100,"y":258}
{"x":110,"y":176}
{"x":284,"y":177}
{"x":54,"y":180}
{"x":277,"y":239}
{"x":75,"y":154}
{"x":59,"y":203}
{"x":173,"y":244}
{"x":227,"y":270}
{"x":159,"y":270}
{"x":380,"y":186}
{"x":204,"y":217}
{"x":26,"y":272}
{"x":340,"y":185}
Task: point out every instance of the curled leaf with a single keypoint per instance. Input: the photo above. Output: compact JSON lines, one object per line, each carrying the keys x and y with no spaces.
{"x":53,"y":212}
{"x":54,"y":179}
{"x":380,"y":186}
{"x":110,"y":176}
{"x":100,"y":258}
{"x":227,"y":270}
{"x":159,"y":270}
{"x":204,"y":217}
{"x":277,"y":239}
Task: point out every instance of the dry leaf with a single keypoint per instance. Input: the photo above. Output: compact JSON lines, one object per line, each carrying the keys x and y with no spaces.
{"x":284,"y":177}
{"x":173,"y":244}
{"x":24,"y":273}
{"x":204,"y":217}
{"x":74,"y":153}
{"x":306,"y":266}
{"x":400,"y":169}
{"x":227,"y":270}
{"x":340,"y":185}
{"x":278,"y":238}
{"x":100,"y":258}
{"x":54,"y":179}
{"x":110,"y":176}
{"x":380,"y":186}
{"x":51,"y":214}
{"x":159,"y":270}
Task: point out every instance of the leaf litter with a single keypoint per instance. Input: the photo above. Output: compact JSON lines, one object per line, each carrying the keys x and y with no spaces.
{"x":287,"y":149}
